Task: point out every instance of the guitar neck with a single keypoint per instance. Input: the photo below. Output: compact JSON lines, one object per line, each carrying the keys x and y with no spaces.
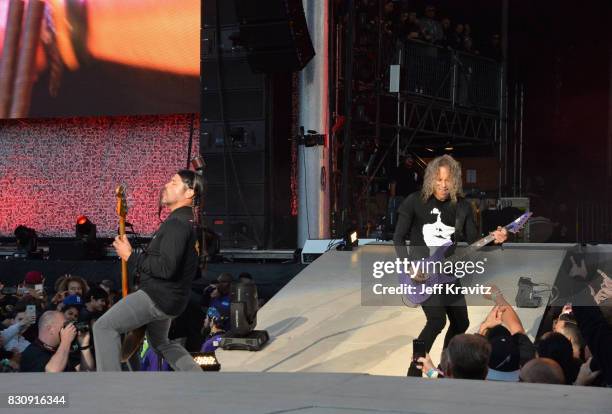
{"x":477,"y":245}
{"x":124,"y":268}
{"x":122,"y":226}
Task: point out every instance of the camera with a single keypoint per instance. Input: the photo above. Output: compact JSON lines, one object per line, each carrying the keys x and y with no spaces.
{"x":81,"y":327}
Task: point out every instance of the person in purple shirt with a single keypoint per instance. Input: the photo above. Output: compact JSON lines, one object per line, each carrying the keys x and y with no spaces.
{"x":215,"y":321}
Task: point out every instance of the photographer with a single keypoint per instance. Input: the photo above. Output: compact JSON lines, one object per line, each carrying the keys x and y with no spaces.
{"x":213,"y":324}
{"x":51,"y":350}
{"x":217,"y":295}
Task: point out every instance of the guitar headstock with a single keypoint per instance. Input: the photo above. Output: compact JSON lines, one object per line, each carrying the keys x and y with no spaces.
{"x":122,"y":207}
{"x":518,"y":224}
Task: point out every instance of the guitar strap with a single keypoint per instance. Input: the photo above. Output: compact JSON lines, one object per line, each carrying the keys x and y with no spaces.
{"x":460,"y":217}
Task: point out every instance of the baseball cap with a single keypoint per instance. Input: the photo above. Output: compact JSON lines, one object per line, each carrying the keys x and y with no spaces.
{"x":33,"y":277}
{"x":505,"y":355}
{"x":73,"y":300}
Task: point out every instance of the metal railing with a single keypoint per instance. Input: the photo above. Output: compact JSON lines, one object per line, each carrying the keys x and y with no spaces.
{"x":474,"y":81}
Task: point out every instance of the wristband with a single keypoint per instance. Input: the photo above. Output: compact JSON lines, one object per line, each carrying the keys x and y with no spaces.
{"x":432,"y":373}
{"x":83,"y":348}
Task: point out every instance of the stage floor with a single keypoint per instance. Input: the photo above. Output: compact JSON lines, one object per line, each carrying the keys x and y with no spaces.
{"x":317,"y":322}
{"x":182,"y":393}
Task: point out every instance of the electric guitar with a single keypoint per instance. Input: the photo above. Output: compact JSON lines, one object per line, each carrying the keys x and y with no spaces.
{"x":132,"y":340}
{"x":419,"y":296}
{"x":122,"y":213}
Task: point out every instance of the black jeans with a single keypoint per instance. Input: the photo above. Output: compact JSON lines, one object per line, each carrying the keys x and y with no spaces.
{"x":436,"y":309}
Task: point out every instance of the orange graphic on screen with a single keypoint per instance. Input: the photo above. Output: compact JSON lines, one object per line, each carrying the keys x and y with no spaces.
{"x":156,"y":35}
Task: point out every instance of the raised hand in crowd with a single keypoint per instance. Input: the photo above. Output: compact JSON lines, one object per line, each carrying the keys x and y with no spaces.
{"x":585,"y":375}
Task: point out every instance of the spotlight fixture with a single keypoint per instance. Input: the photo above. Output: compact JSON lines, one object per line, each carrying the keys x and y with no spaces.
{"x":206,"y":360}
{"x":351,"y":240}
{"x":27,"y":241}
{"x":243,"y":318}
{"x":85,"y":229}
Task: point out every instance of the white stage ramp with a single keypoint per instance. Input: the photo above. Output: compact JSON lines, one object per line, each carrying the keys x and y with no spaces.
{"x":317,"y":322}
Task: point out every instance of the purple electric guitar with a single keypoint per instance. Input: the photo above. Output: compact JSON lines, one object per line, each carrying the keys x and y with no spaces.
{"x":431,"y":279}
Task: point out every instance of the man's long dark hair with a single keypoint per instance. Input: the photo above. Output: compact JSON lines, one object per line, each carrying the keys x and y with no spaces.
{"x":195,"y":182}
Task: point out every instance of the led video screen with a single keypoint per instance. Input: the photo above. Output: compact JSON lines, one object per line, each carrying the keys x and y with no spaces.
{"x":63,"y":58}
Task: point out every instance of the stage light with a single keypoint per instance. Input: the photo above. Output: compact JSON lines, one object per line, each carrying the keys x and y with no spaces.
{"x":85,"y":229}
{"x":243,"y":318}
{"x":27,"y":241}
{"x":206,"y":360}
{"x":350,"y":240}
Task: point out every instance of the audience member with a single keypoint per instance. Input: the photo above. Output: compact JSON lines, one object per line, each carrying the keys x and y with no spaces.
{"x":566,"y":325}
{"x":12,"y":336}
{"x":215,"y":325}
{"x":68,"y":285}
{"x":557,"y":347}
{"x":504,"y":313}
{"x":71,"y":307}
{"x":51,"y":351}
{"x":96,"y":302}
{"x":542,"y":371}
{"x":431,"y":28}
{"x":504,"y":363}
{"x":457,"y":39}
{"x":467,"y":356}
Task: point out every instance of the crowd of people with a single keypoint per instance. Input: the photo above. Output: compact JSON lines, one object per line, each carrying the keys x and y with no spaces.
{"x":42,"y":332}
{"x":576,"y":351}
{"x":403,"y":23}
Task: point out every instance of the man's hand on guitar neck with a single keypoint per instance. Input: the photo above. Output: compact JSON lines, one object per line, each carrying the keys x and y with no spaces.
{"x":122,"y":247}
{"x":419,"y":277}
{"x":501,"y":235}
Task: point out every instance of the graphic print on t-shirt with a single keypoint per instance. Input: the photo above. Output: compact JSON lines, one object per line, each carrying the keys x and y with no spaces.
{"x":437,"y":233}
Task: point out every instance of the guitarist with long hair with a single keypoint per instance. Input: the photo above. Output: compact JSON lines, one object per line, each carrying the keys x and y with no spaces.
{"x":166,"y":269}
{"x":432,"y":217}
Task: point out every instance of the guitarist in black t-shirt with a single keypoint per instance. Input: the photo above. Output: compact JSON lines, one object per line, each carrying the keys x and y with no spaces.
{"x":436,"y":215}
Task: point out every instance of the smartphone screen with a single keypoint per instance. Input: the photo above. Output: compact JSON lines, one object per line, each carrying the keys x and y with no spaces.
{"x":418,"y":349}
{"x":38,"y":288}
{"x":31,"y":310}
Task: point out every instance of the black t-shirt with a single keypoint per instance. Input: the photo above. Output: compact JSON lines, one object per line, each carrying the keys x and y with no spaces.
{"x":407,"y":181}
{"x":431,"y":223}
{"x":169,"y":263}
{"x":35,"y":358}
{"x":526,"y":348}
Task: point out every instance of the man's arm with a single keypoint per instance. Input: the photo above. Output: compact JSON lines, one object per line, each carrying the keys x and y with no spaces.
{"x":471,"y":232}
{"x":87,"y":360}
{"x":405,"y":214}
{"x":172,"y":247}
{"x":58,"y":361}
{"x":593,"y":326}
